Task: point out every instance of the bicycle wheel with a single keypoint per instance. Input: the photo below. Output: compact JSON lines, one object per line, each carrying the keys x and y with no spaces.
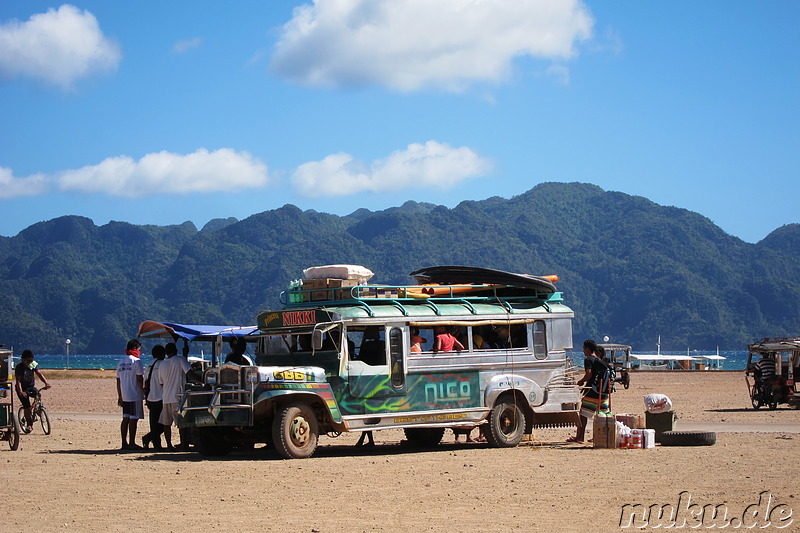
{"x":44,"y":419}
{"x":23,"y":425}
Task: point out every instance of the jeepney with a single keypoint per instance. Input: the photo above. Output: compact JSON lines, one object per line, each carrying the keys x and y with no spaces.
{"x":361,"y":358}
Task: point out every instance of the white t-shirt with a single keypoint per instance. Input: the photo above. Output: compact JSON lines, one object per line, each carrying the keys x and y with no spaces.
{"x":127,"y":369}
{"x":172,"y":376}
{"x":156,"y":390}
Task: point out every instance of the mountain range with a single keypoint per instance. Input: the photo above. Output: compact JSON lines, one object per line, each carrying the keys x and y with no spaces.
{"x":631,"y":269}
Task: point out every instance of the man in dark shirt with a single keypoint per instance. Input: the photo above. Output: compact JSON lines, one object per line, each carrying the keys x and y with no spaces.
{"x":25,"y":374}
{"x":237,"y":356}
{"x":592,"y":400}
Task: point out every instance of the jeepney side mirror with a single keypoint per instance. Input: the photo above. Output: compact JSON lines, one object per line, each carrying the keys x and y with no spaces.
{"x":316,"y":339}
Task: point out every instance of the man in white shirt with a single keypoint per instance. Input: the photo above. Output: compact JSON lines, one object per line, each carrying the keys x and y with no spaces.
{"x":130,"y":393}
{"x":153,"y":398}
{"x":172,"y":377}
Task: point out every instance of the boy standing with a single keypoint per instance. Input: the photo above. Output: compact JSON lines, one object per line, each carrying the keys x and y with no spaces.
{"x":130,"y":393}
{"x":172,"y":376}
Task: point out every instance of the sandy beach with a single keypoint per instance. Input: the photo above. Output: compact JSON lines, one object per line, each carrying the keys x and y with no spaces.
{"x":76,"y":478}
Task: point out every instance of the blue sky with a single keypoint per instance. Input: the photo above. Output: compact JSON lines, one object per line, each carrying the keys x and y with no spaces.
{"x":162,"y":112}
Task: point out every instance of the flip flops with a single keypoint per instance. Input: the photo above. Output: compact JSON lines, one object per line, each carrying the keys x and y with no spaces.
{"x":575,"y":440}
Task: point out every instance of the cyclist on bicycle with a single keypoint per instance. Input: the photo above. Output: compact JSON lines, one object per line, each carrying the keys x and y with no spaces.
{"x":25,"y":373}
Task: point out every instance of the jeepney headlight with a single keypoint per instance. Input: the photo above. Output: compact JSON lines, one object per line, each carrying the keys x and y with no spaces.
{"x":251,"y":375}
{"x":212,"y":376}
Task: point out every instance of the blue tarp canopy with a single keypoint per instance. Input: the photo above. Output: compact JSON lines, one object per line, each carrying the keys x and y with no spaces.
{"x":152,"y":329}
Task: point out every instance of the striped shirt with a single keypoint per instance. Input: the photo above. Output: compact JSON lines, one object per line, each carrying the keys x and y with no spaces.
{"x":767,"y":368}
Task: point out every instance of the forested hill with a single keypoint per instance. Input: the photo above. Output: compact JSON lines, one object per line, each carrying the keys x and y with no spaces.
{"x":631,"y":269}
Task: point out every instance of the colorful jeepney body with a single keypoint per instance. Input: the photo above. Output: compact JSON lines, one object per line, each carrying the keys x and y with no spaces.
{"x":364,"y":364}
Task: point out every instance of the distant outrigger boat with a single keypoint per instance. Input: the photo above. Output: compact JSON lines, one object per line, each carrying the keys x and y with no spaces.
{"x":624,"y":358}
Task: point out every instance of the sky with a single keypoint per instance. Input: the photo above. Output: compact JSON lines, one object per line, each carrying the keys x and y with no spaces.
{"x":161,"y":112}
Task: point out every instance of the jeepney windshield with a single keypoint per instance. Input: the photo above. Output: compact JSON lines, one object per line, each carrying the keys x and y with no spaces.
{"x":296,"y":349}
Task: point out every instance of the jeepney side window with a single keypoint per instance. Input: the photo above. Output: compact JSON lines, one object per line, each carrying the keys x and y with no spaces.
{"x":396,"y":357}
{"x":539,"y":339}
{"x":460,"y":333}
{"x":302,"y":343}
{"x":519,"y":336}
{"x":370,"y":345}
{"x":271,"y":347}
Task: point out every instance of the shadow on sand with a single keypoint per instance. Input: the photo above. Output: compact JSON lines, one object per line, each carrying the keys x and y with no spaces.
{"x":332,"y":450}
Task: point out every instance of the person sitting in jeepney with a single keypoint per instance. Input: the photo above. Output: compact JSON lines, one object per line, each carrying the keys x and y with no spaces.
{"x":498,"y":337}
{"x":237,"y":356}
{"x":478,"y":343}
{"x":445,"y":341}
{"x":195,"y":373}
{"x":416,"y":340}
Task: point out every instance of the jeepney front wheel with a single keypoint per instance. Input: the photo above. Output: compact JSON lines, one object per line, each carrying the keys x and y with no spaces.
{"x":506,"y":424}
{"x":295,"y":431}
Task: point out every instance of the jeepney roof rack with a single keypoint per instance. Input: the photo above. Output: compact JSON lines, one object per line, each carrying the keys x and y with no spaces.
{"x":403,"y":296}
{"x":775,"y":344}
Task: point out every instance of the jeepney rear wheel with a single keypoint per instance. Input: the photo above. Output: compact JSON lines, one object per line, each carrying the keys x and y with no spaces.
{"x":211,"y":442}
{"x":506,"y":424}
{"x":295,"y":431}
{"x":424,"y":437}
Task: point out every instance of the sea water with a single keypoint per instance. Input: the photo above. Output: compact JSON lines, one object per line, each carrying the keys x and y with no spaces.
{"x":735,"y":360}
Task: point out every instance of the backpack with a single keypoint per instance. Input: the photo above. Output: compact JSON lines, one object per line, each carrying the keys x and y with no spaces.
{"x":603,"y":382}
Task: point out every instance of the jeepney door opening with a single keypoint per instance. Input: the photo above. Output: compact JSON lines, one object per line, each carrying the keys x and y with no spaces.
{"x":376,"y":367}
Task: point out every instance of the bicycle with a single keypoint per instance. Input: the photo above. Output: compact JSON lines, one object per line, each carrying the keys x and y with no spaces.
{"x":38,"y":412}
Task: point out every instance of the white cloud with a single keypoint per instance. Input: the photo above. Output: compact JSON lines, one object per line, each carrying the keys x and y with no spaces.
{"x":184,"y":46}
{"x":12,"y":187}
{"x":410,"y":44}
{"x":59,"y":47}
{"x":431,"y":164}
{"x":168,"y":173}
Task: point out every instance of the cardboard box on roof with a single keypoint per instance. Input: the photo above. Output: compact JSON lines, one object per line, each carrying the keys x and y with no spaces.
{"x":319,"y":296}
{"x":314,"y":284}
{"x":336,"y":283}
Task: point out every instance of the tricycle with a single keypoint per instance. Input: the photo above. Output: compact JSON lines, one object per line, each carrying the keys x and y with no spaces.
{"x":773,"y":364}
{"x":619,"y":355}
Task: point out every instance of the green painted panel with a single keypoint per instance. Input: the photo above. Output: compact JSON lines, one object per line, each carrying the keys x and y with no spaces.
{"x":430,"y":391}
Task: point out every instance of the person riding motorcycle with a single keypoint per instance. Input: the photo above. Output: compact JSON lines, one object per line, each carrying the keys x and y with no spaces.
{"x":764,"y":372}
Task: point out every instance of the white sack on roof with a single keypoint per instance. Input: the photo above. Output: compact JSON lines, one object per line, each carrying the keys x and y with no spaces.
{"x":357,"y":272}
